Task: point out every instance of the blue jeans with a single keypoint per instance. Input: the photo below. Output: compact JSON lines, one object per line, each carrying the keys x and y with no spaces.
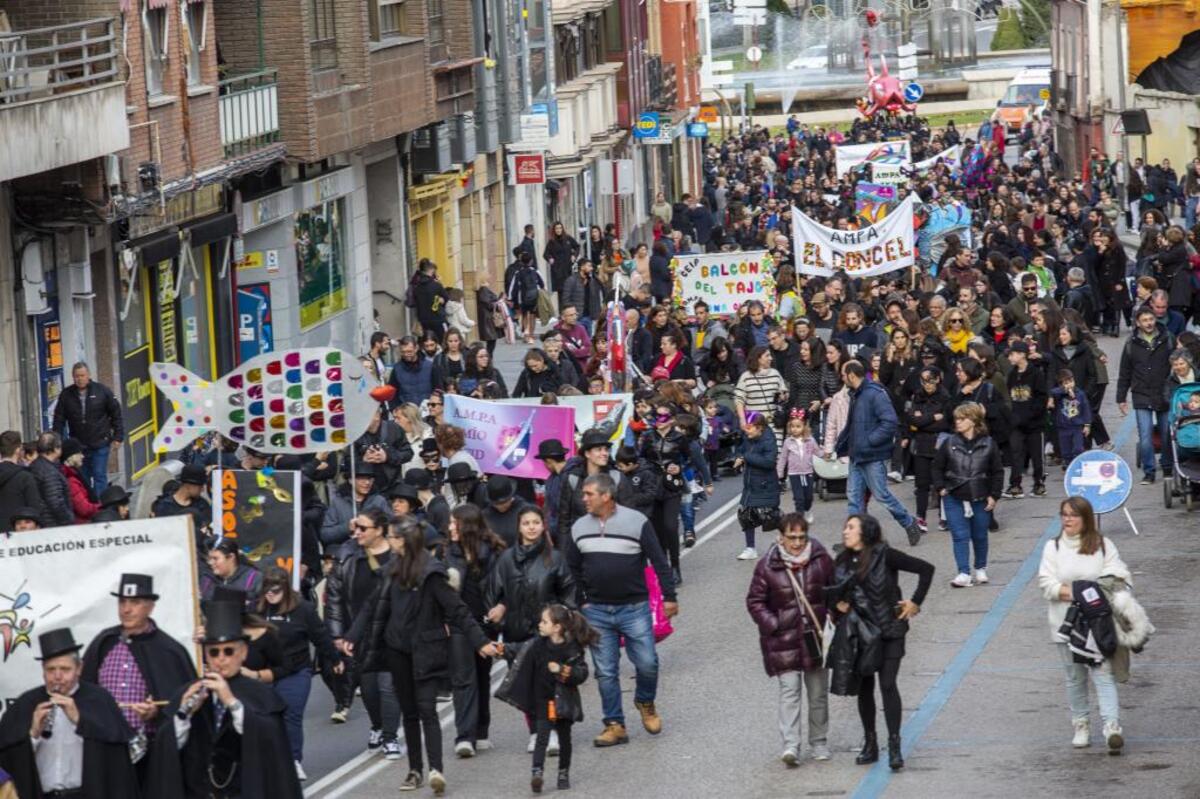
{"x":633,"y":622}
{"x":687,"y":511}
{"x":1189,"y":212}
{"x":1146,"y":423}
{"x":293,"y":690}
{"x":95,"y":468}
{"x":873,"y":475}
{"x":967,"y":532}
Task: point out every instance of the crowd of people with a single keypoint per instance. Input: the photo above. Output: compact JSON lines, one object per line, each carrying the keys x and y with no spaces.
{"x":974,"y":375}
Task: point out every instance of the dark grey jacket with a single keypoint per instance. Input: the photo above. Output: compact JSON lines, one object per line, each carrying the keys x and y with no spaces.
{"x":56,"y":496}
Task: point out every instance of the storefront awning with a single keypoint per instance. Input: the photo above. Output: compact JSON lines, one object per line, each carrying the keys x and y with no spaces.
{"x":157,"y":247}
{"x":213,"y":228}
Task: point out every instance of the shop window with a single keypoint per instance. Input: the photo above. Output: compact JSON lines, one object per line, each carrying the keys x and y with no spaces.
{"x":323,"y":42}
{"x":321,"y":261}
{"x":156,"y":27}
{"x":197,"y":29}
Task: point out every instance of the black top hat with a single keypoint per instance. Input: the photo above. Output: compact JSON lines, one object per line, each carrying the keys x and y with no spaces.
{"x":429,"y":447}
{"x":225,"y":593}
{"x":223,"y":622}
{"x":405,"y":491}
{"x":57,"y":642}
{"x":594,"y":438}
{"x":419,"y":479}
{"x":114,"y":495}
{"x":551,"y":449}
{"x":500,"y":489}
{"x":364,"y":469}
{"x":193,"y":474}
{"x":135,"y":586}
{"x":26,"y":513}
{"x":71,"y":447}
{"x":460,"y":472}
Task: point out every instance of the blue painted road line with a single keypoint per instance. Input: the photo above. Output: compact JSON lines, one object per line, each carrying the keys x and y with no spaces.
{"x":876,"y":780}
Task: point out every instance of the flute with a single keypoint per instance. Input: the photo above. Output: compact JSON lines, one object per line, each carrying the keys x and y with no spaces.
{"x":48,"y":724}
{"x":194,"y":701}
{"x":155,"y":702}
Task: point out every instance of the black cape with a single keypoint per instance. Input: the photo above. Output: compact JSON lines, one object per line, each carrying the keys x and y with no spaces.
{"x":107,"y":770}
{"x":165,"y":665}
{"x":266,"y":767}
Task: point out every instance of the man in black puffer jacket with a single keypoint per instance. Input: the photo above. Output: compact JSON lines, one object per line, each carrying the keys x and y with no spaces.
{"x":88,"y":412}
{"x":18,"y":487}
{"x":1145,"y":367}
{"x":51,"y":483}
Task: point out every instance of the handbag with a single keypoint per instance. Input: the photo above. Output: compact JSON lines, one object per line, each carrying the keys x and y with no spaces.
{"x":499,"y":314}
{"x":766,"y":518}
{"x":817,"y":633}
{"x":545,"y":306}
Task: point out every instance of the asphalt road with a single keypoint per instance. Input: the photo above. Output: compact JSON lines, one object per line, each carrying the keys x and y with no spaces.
{"x":985,"y":706}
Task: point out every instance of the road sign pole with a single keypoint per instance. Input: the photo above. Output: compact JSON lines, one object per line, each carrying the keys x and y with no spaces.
{"x":1129,"y":516}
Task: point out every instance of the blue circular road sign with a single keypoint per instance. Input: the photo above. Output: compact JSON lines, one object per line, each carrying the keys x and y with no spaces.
{"x":913,"y":92}
{"x":1102,"y":478}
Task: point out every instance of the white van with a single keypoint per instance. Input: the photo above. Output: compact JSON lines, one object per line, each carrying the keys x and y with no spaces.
{"x":1028,"y":92}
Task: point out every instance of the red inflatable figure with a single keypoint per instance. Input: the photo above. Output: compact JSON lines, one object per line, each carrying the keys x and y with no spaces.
{"x":884,"y":93}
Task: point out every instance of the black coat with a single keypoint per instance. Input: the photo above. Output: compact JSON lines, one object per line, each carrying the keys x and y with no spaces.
{"x":163,"y":662}
{"x":56,"y":495}
{"x":1145,"y":367}
{"x":969,"y":471}
{"x":93,"y":422}
{"x":525,"y":583}
{"x":531,"y":681}
{"x":639,"y":491}
{"x":343,"y":599}
{"x":107,"y":770}
{"x":264,"y":757}
{"x":18,"y":489}
{"x":923,"y":430}
{"x":1175,"y":275}
{"x":560,"y":254}
{"x":430,"y":296}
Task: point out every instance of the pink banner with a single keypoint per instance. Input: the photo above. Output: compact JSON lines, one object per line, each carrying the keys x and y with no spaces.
{"x":504,"y":438}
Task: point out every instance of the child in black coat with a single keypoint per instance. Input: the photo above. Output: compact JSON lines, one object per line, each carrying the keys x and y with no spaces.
{"x":546,"y":685}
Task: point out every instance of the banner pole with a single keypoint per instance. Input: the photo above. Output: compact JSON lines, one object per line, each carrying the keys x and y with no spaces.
{"x":353,"y":496}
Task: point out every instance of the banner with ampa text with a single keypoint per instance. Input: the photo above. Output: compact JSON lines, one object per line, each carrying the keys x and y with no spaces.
{"x":880,"y":248}
{"x":504,"y":438}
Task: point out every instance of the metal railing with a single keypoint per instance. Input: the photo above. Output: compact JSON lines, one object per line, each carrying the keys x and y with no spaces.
{"x":43,"y":62}
{"x":249,"y":112}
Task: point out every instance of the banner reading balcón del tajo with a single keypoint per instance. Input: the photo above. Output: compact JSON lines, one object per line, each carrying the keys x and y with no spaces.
{"x":724,"y":280}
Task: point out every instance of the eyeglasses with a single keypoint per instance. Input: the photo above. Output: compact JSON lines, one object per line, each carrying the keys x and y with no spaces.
{"x":218,"y":651}
{"x":434,"y":404}
{"x":795,"y":539}
{"x":358,"y":526}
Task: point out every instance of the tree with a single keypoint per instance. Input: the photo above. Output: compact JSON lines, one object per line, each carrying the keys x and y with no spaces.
{"x":1035,"y":22}
{"x":1008,"y":34}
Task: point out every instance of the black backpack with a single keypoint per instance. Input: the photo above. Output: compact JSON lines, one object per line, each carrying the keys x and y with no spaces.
{"x":528,"y":283}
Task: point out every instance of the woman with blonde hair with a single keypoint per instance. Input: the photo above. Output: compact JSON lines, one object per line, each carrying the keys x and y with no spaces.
{"x":1081,"y":553}
{"x":407,"y":417}
{"x":968,"y":473}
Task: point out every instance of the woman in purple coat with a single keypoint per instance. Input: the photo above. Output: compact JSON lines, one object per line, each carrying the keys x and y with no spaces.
{"x":787,"y":602}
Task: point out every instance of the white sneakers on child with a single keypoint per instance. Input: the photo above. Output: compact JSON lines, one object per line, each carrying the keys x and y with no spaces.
{"x":963,"y":580}
{"x":1113,"y":737}
{"x":749,"y":553}
{"x":1083,"y":734}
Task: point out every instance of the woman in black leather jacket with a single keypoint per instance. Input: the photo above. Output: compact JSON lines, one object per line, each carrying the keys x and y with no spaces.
{"x":968,"y":472}
{"x":472,"y":551}
{"x":866,"y":578}
{"x":927,"y":416}
{"x":526,"y":579}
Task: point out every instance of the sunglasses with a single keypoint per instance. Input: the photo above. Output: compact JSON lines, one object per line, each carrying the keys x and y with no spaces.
{"x":358,"y":526}
{"x":273,"y":589}
{"x":956,"y":321}
{"x":434,"y":404}
{"x":218,"y":651}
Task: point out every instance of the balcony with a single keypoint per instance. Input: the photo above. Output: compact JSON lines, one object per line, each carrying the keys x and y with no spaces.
{"x":61,"y":98}
{"x":249,"y":112}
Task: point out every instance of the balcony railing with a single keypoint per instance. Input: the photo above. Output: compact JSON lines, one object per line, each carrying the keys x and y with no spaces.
{"x":39,"y":63}
{"x":249,"y":110}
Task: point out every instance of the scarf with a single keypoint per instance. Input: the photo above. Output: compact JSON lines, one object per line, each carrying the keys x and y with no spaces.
{"x":959,"y":339}
{"x":796,"y":562}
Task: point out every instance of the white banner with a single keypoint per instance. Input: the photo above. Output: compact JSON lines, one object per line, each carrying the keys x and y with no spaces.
{"x":874,"y":250}
{"x":952,"y":158}
{"x":63,"y":577}
{"x":887,"y":158}
{"x":724,"y":280}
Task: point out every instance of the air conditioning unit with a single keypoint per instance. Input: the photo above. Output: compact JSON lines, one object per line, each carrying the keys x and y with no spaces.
{"x":431,"y":149}
{"x":462,"y":138}
{"x":76,"y":280}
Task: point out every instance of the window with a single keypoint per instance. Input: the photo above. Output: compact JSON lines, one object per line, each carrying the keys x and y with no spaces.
{"x":156,"y":26}
{"x":196,"y":19}
{"x":323,"y":43}
{"x":436,"y":10}
{"x":393,"y":18}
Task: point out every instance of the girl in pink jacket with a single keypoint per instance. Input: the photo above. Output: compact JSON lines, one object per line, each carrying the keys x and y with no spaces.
{"x":796,"y":461}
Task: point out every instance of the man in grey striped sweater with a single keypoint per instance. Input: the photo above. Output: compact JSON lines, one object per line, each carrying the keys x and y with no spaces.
{"x":607,"y":553}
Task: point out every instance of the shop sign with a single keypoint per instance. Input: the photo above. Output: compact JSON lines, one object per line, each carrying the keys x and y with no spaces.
{"x":528,"y":170}
{"x":708,"y":115}
{"x":648,"y":126}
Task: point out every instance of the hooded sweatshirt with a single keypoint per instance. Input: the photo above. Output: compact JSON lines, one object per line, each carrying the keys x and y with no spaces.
{"x":18,"y":489}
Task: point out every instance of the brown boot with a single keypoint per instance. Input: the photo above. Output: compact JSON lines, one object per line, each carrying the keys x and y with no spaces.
{"x":650,"y":718}
{"x":613,"y":734}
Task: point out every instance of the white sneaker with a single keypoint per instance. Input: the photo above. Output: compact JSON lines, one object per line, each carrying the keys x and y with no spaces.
{"x":808,"y":517}
{"x":895,"y":476}
{"x":483,"y":745}
{"x":464,"y":749}
{"x":437,"y":782}
{"x":790,"y":758}
{"x":552,"y":746}
{"x":749,"y":553}
{"x":532,"y":743}
{"x":1083,"y":734}
{"x":1113,"y":737}
{"x":963,"y":580}
{"x":981,"y":576}
{"x":300,"y":775}
{"x":820,"y":752}
{"x":392,"y":750}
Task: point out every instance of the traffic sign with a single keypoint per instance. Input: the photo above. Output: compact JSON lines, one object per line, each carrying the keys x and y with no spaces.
{"x":647,"y":125}
{"x":1118,"y":127}
{"x":697,"y":130}
{"x":913,"y":92}
{"x":1102,"y":478}
{"x":754,"y":54}
{"x":1044,"y":94}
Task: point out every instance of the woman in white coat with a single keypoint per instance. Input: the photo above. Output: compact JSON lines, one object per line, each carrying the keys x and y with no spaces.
{"x":1080,"y":552}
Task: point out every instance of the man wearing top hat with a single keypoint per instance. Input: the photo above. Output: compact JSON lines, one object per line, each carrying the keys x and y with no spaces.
{"x":188,"y":499}
{"x":25,"y":519}
{"x":503,"y":508}
{"x":552,"y":453}
{"x":434,"y":510}
{"x":225,"y":738}
{"x":140,"y":665}
{"x":114,"y":505}
{"x":346,"y":502}
{"x":66,"y":739}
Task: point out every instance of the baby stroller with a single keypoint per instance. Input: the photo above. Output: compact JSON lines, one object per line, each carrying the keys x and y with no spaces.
{"x":1184,"y":424}
{"x":831,"y":475}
